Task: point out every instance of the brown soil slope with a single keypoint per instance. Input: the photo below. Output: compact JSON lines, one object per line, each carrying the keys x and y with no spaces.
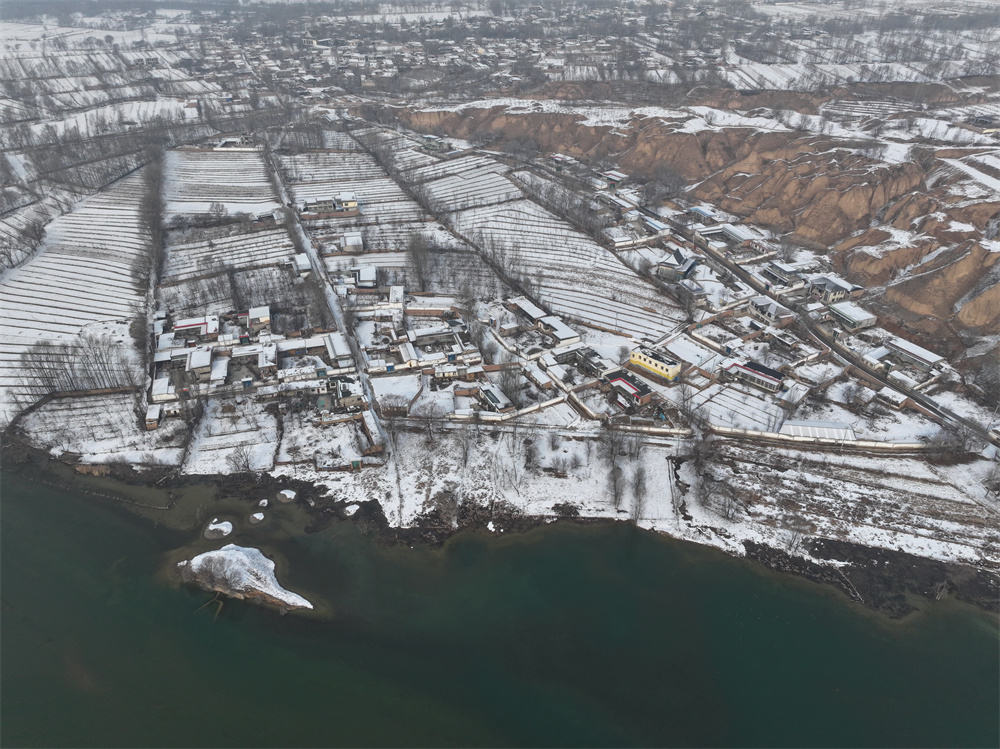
{"x":821,"y":192}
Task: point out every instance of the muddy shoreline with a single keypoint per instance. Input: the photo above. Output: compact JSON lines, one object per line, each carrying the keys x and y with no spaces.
{"x":893,"y":583}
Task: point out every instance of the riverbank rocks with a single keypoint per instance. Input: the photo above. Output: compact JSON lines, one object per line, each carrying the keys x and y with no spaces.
{"x":286,"y":495}
{"x":217,"y":529}
{"x":240,"y":572}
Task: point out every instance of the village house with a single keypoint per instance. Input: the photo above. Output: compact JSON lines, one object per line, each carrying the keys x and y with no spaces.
{"x":255,"y":319}
{"x":162,"y":390}
{"x":770,"y":312}
{"x":614,"y":179}
{"x":560,"y":333}
{"x":350,"y":394}
{"x":364,"y":276}
{"x":493,"y":398}
{"x":339,"y":353}
{"x":755,"y":374}
{"x":344,"y":203}
{"x":198,"y":328}
{"x":780,"y":273}
{"x":350,"y":241}
{"x":629,"y":390}
{"x":199,"y":364}
{"x":656,"y":363}
{"x":263,"y":357}
{"x":852,"y":317}
{"x":675,"y":266}
{"x":832,"y":288}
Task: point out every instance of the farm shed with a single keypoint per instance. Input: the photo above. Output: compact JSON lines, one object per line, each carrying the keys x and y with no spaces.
{"x":154,"y":414}
{"x":827,"y":430}
{"x":914,"y":354}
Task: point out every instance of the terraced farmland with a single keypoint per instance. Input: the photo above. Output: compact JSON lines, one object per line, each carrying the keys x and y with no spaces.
{"x":241,"y":252}
{"x":80,"y":277}
{"x":238,"y":179}
{"x":316,"y":176}
{"x":577,"y":278}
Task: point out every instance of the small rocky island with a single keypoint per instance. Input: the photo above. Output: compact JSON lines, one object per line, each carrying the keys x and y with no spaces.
{"x":240,"y":572}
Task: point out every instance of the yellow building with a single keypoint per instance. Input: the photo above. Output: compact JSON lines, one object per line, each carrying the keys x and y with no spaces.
{"x":347,"y":201}
{"x":655,"y":363}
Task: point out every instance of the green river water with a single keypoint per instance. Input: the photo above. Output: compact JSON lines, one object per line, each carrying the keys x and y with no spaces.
{"x":568,"y":635}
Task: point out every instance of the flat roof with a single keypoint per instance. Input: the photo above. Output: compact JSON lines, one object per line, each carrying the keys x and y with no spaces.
{"x":528,"y":307}
{"x":851,"y":311}
{"x":658,"y":356}
{"x":559,"y":329}
{"x":901,"y":344}
{"x":199,"y":358}
{"x":818,"y":430}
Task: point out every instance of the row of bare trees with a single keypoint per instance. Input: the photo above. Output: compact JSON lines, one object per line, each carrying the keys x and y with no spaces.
{"x":623,"y":453}
{"x":91,"y":362}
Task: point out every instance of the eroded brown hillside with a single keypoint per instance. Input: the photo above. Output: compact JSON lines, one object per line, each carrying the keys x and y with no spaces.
{"x":821,"y":192}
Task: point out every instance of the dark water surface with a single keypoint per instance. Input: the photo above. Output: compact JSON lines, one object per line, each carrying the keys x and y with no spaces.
{"x":568,"y":635}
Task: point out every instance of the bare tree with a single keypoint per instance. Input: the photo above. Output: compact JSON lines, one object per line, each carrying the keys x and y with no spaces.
{"x":430,"y":413}
{"x":616,"y":485}
{"x":510,"y":380}
{"x":638,"y":492}
{"x":610,"y":443}
{"x":665,"y":183}
{"x":466,"y":442}
{"x":240,"y":460}
{"x":419,"y":255}
{"x":217,"y":211}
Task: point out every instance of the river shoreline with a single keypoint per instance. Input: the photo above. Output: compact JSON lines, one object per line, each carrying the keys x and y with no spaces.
{"x":893,"y":583}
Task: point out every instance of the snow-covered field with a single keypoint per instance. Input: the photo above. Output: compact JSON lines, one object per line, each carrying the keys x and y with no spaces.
{"x":233,"y":435}
{"x":81,"y":275}
{"x":333,"y":445}
{"x":242,"y":252}
{"x":576,"y":277}
{"x":236,"y":179}
{"x":895,"y":502}
{"x":890,"y":502}
{"x":384,"y":207}
{"x":102,"y":429}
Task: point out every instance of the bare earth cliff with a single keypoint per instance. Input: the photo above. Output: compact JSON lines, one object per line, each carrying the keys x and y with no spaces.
{"x":903,"y":217}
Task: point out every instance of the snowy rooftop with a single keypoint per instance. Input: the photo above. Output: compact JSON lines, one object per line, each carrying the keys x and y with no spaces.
{"x":829,"y":430}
